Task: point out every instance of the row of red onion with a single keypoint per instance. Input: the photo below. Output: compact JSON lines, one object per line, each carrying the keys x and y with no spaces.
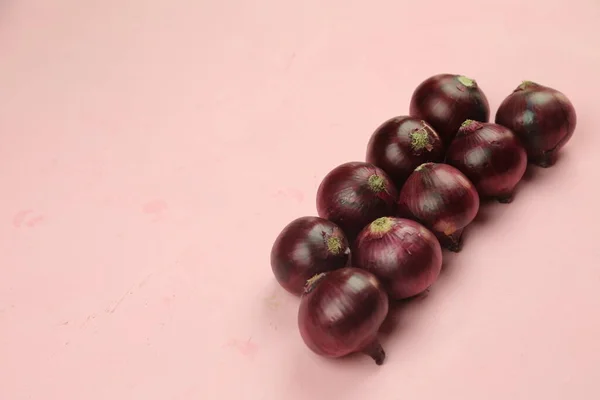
{"x":382,"y":223}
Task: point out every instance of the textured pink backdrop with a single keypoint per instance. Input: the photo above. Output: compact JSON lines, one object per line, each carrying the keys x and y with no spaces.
{"x":151,"y":150}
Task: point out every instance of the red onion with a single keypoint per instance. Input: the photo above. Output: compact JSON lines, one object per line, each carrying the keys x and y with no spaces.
{"x":491,"y":157}
{"x":445,"y":101}
{"x":542,"y":117}
{"x":341,"y":312}
{"x":306,"y":247}
{"x":441,"y":198}
{"x":402,"y":254}
{"x":354,"y":194}
{"x":401,"y":144}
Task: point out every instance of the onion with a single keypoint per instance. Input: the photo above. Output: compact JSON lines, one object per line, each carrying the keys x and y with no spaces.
{"x":354,"y":194}
{"x":401,"y":144}
{"x":491,"y":157}
{"x":402,"y":254}
{"x":341,"y":312}
{"x":445,"y":101}
{"x":542,"y":117}
{"x":440,"y":197}
{"x":306,"y":247}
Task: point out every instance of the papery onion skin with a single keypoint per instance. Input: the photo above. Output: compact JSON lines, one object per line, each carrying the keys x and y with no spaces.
{"x":446,"y":100}
{"x":491,"y":156}
{"x":340,"y":313}
{"x":354,"y":194}
{"x":306,"y":247}
{"x":404,"y":255}
{"x":443,"y":199}
{"x":401,"y":144}
{"x":543,"y":118}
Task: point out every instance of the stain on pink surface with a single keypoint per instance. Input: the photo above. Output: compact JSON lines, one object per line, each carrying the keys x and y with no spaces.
{"x":27,"y":218}
{"x":113,"y":308}
{"x":145,"y":280}
{"x":155,"y":208}
{"x":290,"y":61}
{"x":290,"y":193}
{"x":35,"y":221}
{"x":190,"y":258}
{"x":168,"y":300}
{"x":246,"y":348}
{"x":89,"y":319}
{"x":108,"y":201}
{"x":273,"y":302}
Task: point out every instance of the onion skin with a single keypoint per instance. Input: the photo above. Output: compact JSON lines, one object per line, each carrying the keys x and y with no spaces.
{"x":543,"y":119}
{"x":446,"y":100}
{"x":401,"y":144}
{"x":443,"y":199}
{"x":341,"y":312}
{"x":491,"y":156}
{"x":404,"y":255}
{"x":354,"y":194}
{"x":306,"y":247}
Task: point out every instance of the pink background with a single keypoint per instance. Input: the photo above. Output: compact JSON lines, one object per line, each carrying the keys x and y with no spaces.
{"x":151,"y":150}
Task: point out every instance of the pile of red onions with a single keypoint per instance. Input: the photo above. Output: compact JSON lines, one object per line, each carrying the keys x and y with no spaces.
{"x":382,"y":223}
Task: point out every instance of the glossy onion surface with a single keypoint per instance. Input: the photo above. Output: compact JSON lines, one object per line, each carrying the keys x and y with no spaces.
{"x":354,"y":194}
{"x":543,"y":119}
{"x":404,"y":255}
{"x":306,"y":247}
{"x":443,"y":199}
{"x":401,"y":144}
{"x":341,"y":312}
{"x":445,"y":101}
{"x":491,"y":156}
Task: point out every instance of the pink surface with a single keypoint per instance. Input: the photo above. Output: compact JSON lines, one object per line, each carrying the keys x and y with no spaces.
{"x":151,"y":150}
